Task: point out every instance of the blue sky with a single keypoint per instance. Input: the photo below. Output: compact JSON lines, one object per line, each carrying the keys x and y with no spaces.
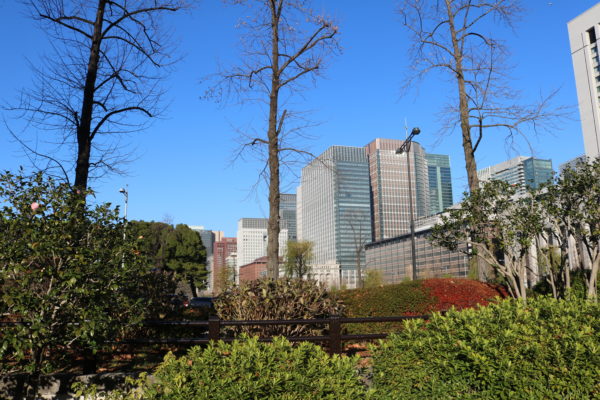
{"x":183,"y":166}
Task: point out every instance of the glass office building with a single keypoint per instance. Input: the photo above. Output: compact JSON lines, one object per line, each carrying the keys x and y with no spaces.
{"x":335,"y":209}
{"x":523,"y":172}
{"x":440,"y":182}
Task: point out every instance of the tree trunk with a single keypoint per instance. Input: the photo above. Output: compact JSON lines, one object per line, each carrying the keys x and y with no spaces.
{"x":272,"y":134}
{"x":84,"y":139}
{"x":467,"y":143}
{"x":593,"y":284}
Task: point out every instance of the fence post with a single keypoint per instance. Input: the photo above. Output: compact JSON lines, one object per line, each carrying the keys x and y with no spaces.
{"x":214,"y":327}
{"x":335,"y":336}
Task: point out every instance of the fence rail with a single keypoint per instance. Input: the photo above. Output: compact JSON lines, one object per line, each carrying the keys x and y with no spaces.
{"x":334,"y":323}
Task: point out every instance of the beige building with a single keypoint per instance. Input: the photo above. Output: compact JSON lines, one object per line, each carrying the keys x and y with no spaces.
{"x":584,"y":32}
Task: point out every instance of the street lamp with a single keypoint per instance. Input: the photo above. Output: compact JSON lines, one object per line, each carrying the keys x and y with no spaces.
{"x":405,"y":148}
{"x":125,"y":192}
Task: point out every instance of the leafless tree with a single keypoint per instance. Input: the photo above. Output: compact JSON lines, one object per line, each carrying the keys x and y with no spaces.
{"x":451,"y":36}
{"x":101,"y":81}
{"x":285,"y":44}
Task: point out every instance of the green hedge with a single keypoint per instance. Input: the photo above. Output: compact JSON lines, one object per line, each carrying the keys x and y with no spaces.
{"x":399,"y":299}
{"x":248,"y":369}
{"x":545,"y":349}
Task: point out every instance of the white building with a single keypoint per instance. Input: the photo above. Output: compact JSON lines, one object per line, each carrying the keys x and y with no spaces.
{"x":584,"y":32}
{"x":252,"y":240}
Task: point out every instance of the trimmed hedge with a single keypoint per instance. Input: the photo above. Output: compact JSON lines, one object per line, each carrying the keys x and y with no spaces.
{"x":414,"y":298}
{"x":249,"y":369}
{"x":545,"y":349}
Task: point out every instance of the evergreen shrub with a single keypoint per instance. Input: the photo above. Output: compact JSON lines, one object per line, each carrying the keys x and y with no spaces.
{"x":249,"y":369}
{"x":545,"y":349}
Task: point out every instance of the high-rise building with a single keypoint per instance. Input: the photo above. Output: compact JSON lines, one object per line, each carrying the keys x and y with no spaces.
{"x":287,"y":213}
{"x":334,"y":209}
{"x":584,"y":32}
{"x":208,"y":239}
{"x":252,"y":240}
{"x":524,"y":172}
{"x":222,"y":249}
{"x":389,"y":186}
{"x":440,"y":182}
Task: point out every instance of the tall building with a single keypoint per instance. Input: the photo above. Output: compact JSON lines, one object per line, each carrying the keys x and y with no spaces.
{"x":389,"y":186}
{"x":208,"y":239}
{"x":252,"y":240}
{"x":440,"y":182}
{"x":334,"y":210}
{"x":287,"y":213}
{"x":584,"y":32}
{"x":524,"y":172}
{"x":222,"y":249}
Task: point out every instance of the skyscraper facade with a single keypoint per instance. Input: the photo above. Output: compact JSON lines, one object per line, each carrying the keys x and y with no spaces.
{"x":440,"y":182}
{"x":222,"y":249}
{"x":523,"y":172}
{"x":287,"y":213}
{"x":335,"y":209}
{"x":389,"y":182}
{"x":584,"y":32}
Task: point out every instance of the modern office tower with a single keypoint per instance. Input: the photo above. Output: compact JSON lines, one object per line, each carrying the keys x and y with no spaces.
{"x":525,"y":172}
{"x":252,"y":240}
{"x":389,"y":186}
{"x":440,"y":182}
{"x":287,"y":212}
{"x":584,"y":32}
{"x":335,"y":210}
{"x":222,"y":249}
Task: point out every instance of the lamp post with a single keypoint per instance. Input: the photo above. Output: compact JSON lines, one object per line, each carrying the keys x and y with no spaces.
{"x":125,"y":192}
{"x":405,"y":148}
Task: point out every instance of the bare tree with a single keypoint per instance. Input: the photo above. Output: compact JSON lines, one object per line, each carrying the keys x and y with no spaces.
{"x":285,"y":44}
{"x":450,"y":35}
{"x":101,"y":80}
{"x":361,"y":235}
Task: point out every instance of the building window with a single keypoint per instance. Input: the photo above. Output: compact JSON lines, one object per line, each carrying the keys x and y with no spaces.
{"x":592,"y":35}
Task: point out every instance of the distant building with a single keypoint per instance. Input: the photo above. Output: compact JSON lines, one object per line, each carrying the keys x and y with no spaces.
{"x":255,"y":270}
{"x":287,"y":212}
{"x":440,"y":182}
{"x":222,"y":249}
{"x":584,"y":31}
{"x":389,"y":186}
{"x":208,"y":239}
{"x":524,"y":172}
{"x":252,"y":240}
{"x":335,"y":210}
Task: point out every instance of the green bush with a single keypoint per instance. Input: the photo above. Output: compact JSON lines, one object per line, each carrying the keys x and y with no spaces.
{"x":545,"y":349}
{"x":248,"y":369}
{"x":268,"y":299}
{"x":403,"y":298}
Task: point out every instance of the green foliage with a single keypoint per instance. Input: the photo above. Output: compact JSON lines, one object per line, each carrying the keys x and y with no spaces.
{"x":373,"y":279}
{"x":499,"y":227}
{"x":178,"y":249}
{"x":399,"y":299}
{"x":248,"y":369}
{"x":65,"y":271}
{"x":298,"y":257}
{"x":286,"y":298}
{"x":545,"y":349}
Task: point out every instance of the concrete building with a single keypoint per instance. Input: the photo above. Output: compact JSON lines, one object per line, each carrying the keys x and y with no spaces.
{"x":335,"y":210}
{"x":252,"y":240}
{"x":208,"y":239}
{"x":440,"y":182}
{"x":524,"y":172}
{"x":584,"y":31}
{"x":388,"y":174}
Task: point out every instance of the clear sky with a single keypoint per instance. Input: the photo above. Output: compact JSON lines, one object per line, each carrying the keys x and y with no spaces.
{"x":183,"y":166}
